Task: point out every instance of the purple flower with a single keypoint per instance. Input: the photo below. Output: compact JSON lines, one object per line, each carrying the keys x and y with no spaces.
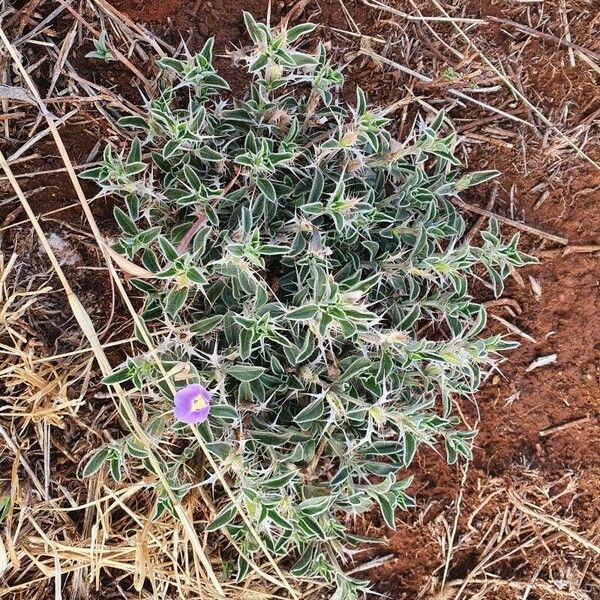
{"x":192,"y":404}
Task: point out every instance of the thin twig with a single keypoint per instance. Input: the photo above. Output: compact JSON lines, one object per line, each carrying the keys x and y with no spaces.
{"x":425,"y":79}
{"x":581,"y":250}
{"x":565,"y":43}
{"x":514,"y":329}
{"x":452,"y":536}
{"x":555,"y":523}
{"x":516,"y":224}
{"x":479,"y":222}
{"x":381,"y":6}
{"x":557,"y":428}
{"x":580,"y":152}
{"x":504,"y":302}
{"x":565,"y":19}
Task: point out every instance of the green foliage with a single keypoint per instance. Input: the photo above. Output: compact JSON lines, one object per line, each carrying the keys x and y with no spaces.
{"x":5,"y":503}
{"x":101,"y":52}
{"x":315,"y":278}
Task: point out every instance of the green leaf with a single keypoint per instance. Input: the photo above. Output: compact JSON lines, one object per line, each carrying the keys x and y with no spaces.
{"x":124,"y":221}
{"x":136,"y":449}
{"x":273,"y":250}
{"x":279,"y":520}
{"x":175,"y":300}
{"x":277,"y":483}
{"x":304,"y":562}
{"x":243,"y":566}
{"x":413,"y":315}
{"x":133,"y":121}
{"x":259,"y":63}
{"x":410,"y":448}
{"x":312,"y":527}
{"x":313,"y":208}
{"x":224,"y":411}
{"x":358,"y":366}
{"x":94,"y":173}
{"x":96,"y":461}
{"x":168,"y":250}
{"x":315,"y":506}
{"x":119,"y":376}
{"x":114,"y":465}
{"x":300,"y":59}
{"x":254,"y":31}
{"x":206,"y":325}
{"x":135,"y":152}
{"x":437,"y":122}
{"x":479,"y":177}
{"x":171,"y":63}
{"x":270,"y":438}
{"x":299,"y":30}
{"x":266,"y":187}
{"x":387,"y":510}
{"x":316,"y":190}
{"x":209,"y":154}
{"x":207,"y":49}
{"x":361,"y":101}
{"x":245,"y":372}
{"x":303,"y":313}
{"x":225,"y":516}
{"x":312,"y":413}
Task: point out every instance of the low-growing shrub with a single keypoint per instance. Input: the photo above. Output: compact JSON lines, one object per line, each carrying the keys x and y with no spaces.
{"x":314,"y":280}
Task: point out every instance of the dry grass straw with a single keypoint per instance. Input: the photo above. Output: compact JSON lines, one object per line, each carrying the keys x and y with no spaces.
{"x":122,"y":402}
{"x":457,"y":23}
{"x":514,"y":90}
{"x":517,"y":539}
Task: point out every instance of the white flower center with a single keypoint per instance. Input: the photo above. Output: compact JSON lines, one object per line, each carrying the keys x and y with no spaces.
{"x":199,"y":402}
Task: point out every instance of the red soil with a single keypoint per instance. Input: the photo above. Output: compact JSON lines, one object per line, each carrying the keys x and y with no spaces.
{"x":150,"y":11}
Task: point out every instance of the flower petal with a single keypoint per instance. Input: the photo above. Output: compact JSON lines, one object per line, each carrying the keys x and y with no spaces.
{"x":192,"y":404}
